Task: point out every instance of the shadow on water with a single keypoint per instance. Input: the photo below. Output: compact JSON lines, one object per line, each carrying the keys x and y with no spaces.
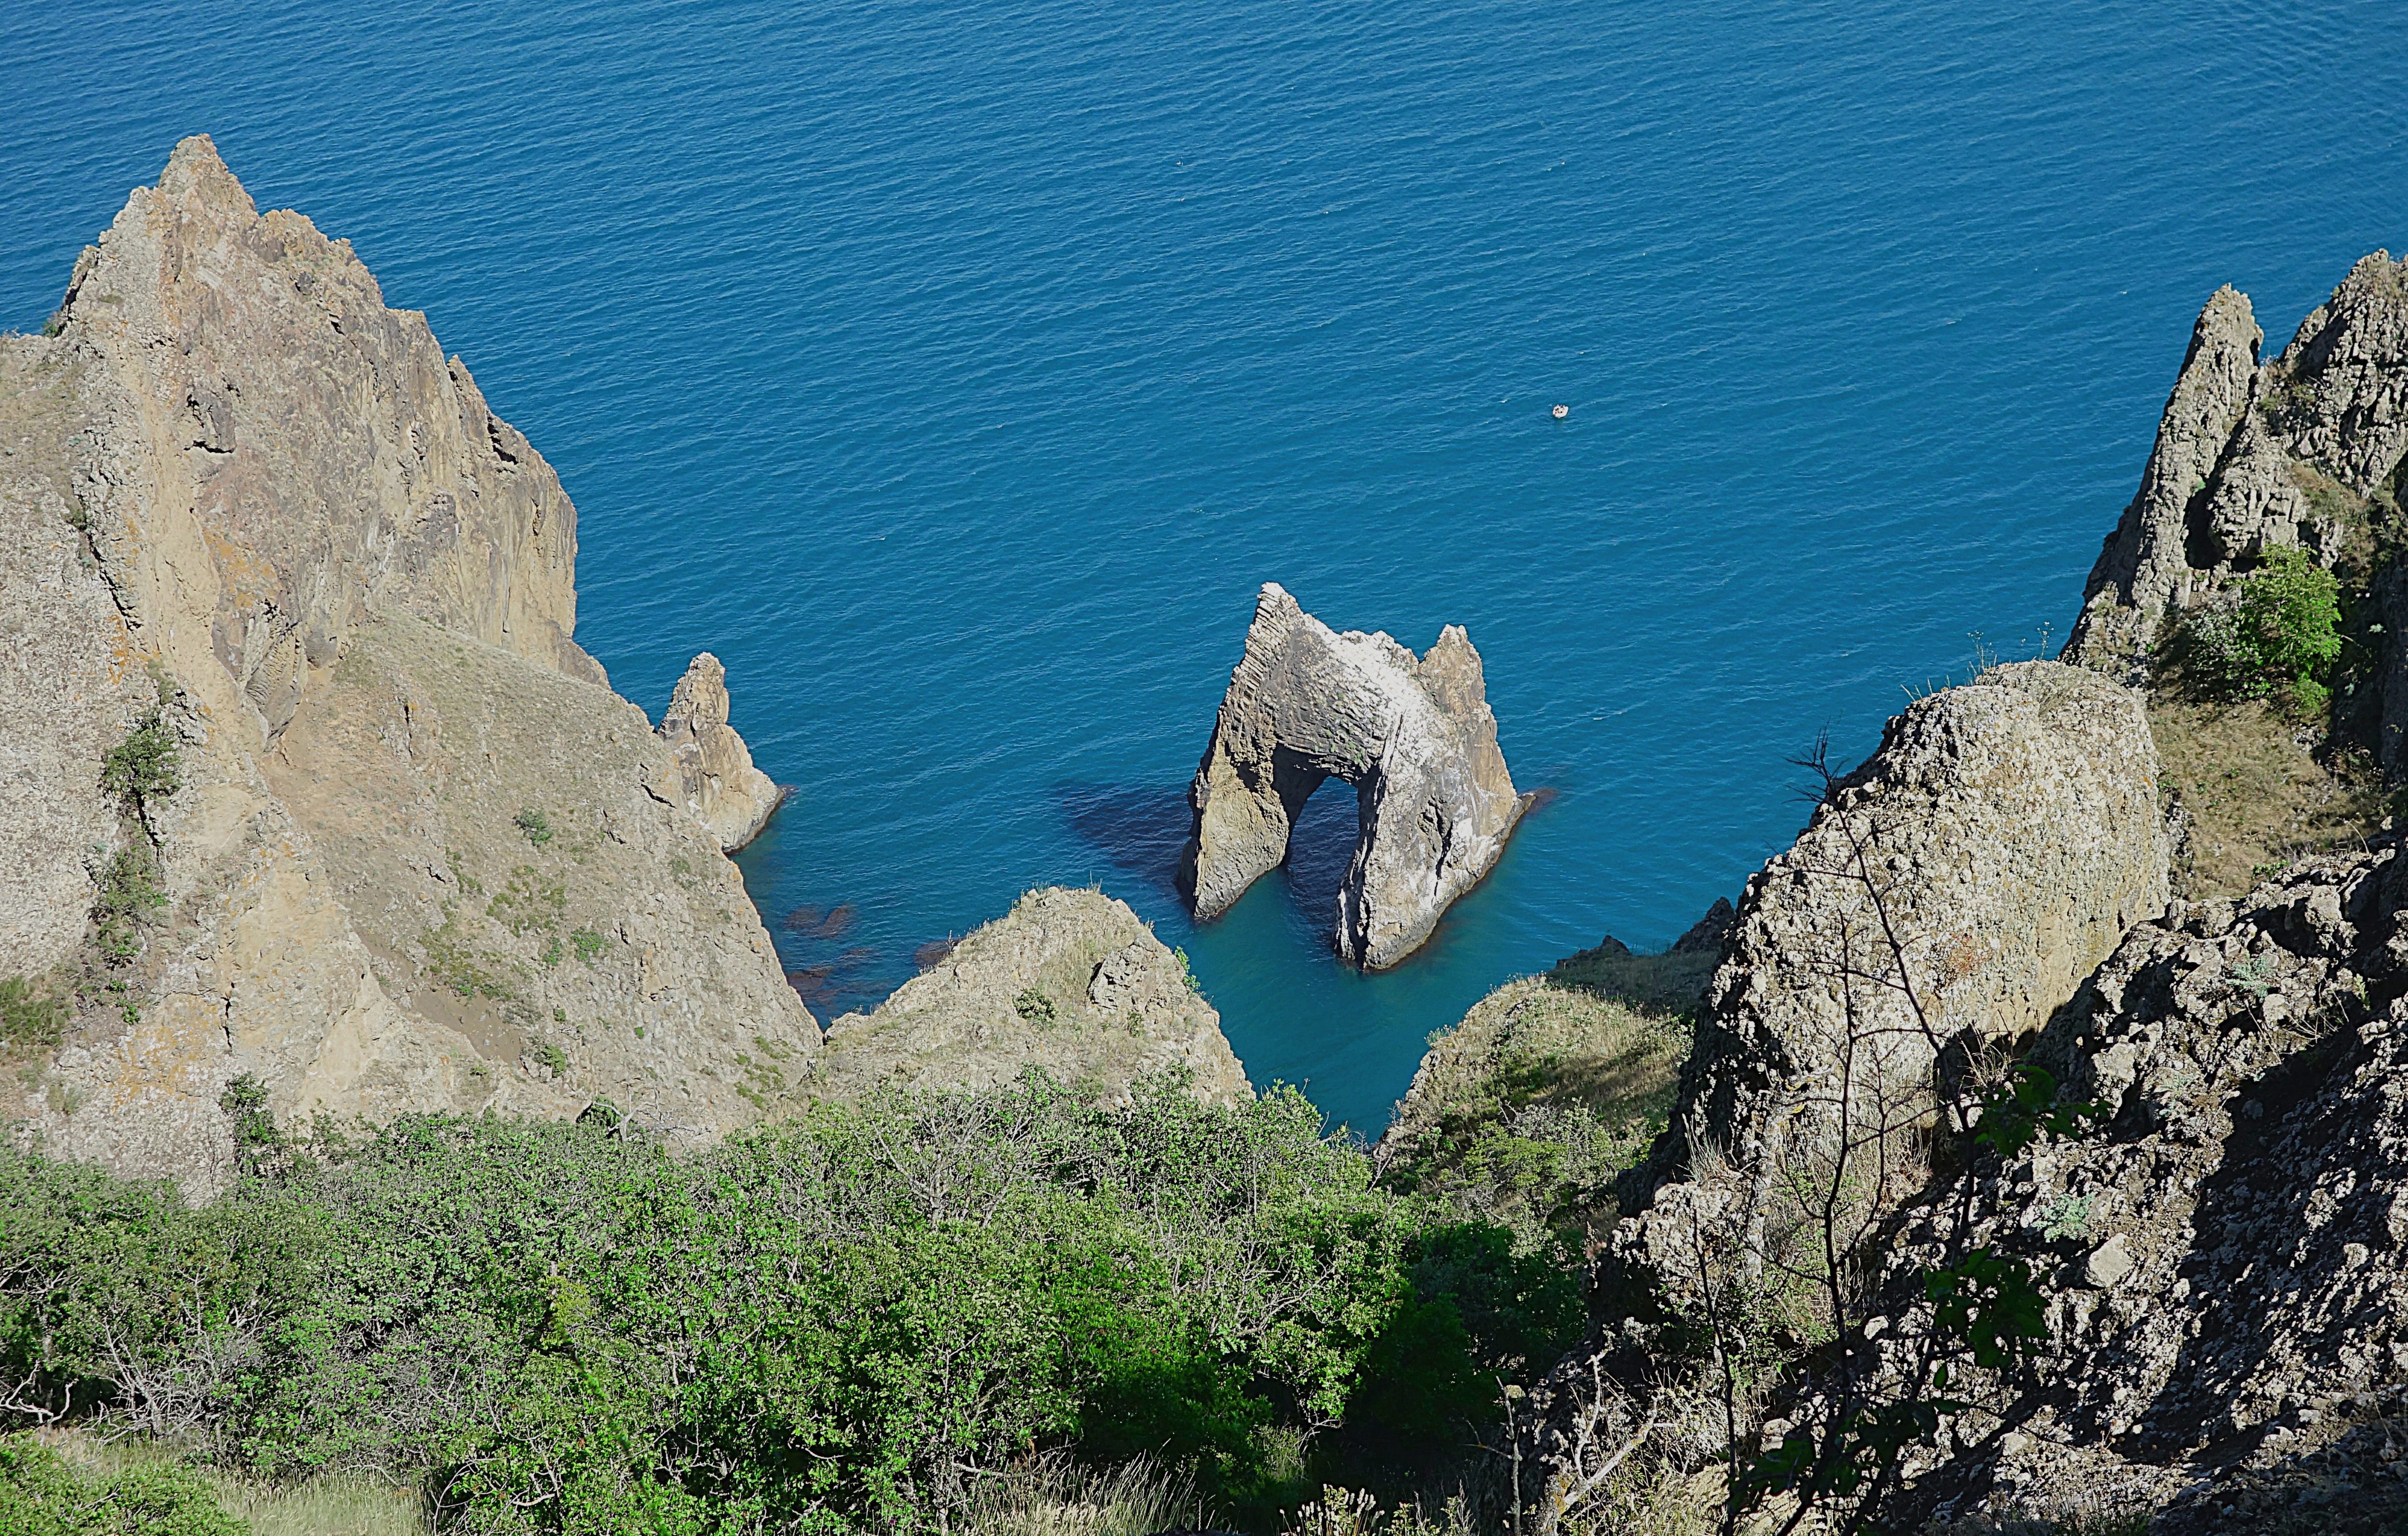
{"x":1319,"y":847}
{"x":1140,"y":827}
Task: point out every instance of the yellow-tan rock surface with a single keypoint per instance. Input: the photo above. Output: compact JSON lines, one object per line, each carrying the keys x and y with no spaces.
{"x":410,"y":862}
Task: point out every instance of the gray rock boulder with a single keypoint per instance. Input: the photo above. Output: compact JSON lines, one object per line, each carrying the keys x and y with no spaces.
{"x":2010,"y":831}
{"x":1068,"y":981}
{"x":711,"y":773}
{"x":1413,"y":735}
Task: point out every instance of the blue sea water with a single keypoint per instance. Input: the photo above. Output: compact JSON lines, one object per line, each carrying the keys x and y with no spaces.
{"x":957,"y":371}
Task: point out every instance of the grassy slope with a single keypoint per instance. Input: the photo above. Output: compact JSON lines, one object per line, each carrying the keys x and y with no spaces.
{"x":2256,"y":797}
{"x":1524,"y":1112}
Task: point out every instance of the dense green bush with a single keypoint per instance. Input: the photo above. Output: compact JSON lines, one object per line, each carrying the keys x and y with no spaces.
{"x":837,"y":1322}
{"x":44,"y":1494}
{"x":2277,"y":628}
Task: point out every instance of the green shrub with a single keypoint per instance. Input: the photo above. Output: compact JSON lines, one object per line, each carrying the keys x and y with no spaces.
{"x":130,"y":892}
{"x":848,"y":1321}
{"x":535,"y":824}
{"x":31,"y":1017}
{"x":144,"y":767}
{"x":121,"y":1300}
{"x":2277,"y":628}
{"x":1034,"y":1006}
{"x":44,"y":1494}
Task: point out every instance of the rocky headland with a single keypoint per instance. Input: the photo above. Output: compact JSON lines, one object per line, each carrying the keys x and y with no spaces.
{"x":1415,"y":738}
{"x":304,"y":780}
{"x":2005,"y":1188}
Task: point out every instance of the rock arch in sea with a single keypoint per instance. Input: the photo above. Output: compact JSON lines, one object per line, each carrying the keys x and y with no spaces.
{"x":1413,"y":735}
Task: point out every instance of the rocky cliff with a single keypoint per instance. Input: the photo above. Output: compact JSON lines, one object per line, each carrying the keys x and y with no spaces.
{"x":1946,"y":898}
{"x":303,"y":778}
{"x":1069,"y":981}
{"x":2225,"y":1331}
{"x":2175,"y":1300}
{"x":2303,"y":449}
{"x":1413,"y":735}
{"x":1948,"y":895}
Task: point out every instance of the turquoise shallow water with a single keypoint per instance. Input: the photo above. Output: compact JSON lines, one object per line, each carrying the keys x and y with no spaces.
{"x":957,"y":371}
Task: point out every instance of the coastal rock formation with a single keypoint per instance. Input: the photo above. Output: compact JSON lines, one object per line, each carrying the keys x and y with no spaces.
{"x":2302,"y":450}
{"x":2226,"y":1253}
{"x":712,"y":773}
{"x":2006,"y":833}
{"x":1708,"y":934}
{"x":301,"y":778}
{"x":1413,"y":735}
{"x":2006,"y":836}
{"x":1068,"y":981}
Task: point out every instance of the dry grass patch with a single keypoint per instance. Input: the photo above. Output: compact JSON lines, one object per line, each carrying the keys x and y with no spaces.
{"x":329,"y":1504}
{"x":1054,"y":1495}
{"x":2254,"y":796}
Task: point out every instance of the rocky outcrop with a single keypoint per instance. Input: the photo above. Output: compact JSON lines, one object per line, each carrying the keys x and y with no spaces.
{"x":407,"y":860}
{"x":1947,"y":897}
{"x":2224,"y":1253}
{"x":2301,"y":450}
{"x":1708,"y":934}
{"x":2005,"y":836}
{"x":711,"y":773}
{"x":1415,"y":738}
{"x":1070,"y":982}
{"x":1523,"y":1114}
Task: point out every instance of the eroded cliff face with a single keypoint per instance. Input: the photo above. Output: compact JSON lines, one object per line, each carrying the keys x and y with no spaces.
{"x":407,"y":860}
{"x":2007,"y":834}
{"x":2226,"y":1320}
{"x":2304,"y":448}
{"x":1070,"y":982}
{"x":1947,"y":897}
{"x":1413,"y":735}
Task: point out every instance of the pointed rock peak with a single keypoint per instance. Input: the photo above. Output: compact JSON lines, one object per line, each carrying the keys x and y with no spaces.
{"x":700,"y":699}
{"x":709,"y":770}
{"x":1708,"y":932}
{"x":197,"y":179}
{"x":2226,"y":318}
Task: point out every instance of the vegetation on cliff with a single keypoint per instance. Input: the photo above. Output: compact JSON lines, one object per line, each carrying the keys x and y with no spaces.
{"x":854,"y":1319}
